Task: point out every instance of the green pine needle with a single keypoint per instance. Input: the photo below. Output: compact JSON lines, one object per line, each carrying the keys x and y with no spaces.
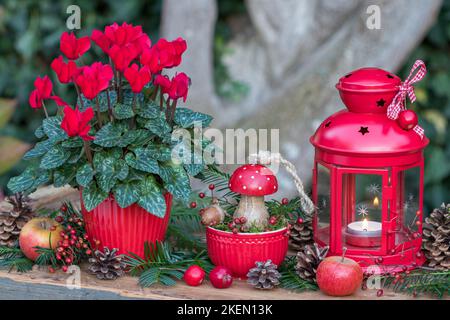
{"x":290,"y":280}
{"x":13,"y":259}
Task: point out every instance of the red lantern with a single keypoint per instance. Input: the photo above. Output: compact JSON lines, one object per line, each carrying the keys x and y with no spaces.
{"x":368,"y":175}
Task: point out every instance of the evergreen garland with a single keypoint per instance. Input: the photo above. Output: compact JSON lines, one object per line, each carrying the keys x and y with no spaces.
{"x":161,"y":264}
{"x":14,"y":259}
{"x":420,"y":281}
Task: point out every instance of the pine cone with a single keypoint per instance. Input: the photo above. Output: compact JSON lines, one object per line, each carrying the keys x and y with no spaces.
{"x":301,"y":235}
{"x":436,"y":238}
{"x":264,"y":275}
{"x":13,"y":216}
{"x":107,"y":265}
{"x":308,"y":259}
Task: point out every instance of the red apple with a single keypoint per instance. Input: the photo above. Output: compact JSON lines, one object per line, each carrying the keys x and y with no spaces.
{"x":339,"y":276}
{"x":39,"y":232}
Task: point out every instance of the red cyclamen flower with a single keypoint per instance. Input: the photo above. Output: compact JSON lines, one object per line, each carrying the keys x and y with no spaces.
{"x":76,"y":123}
{"x":64,"y":71}
{"x":43,"y":90}
{"x":176,"y":88}
{"x":164,"y":54}
{"x":72,"y":47}
{"x":122,"y":56}
{"x":101,"y":40}
{"x":137,"y":78}
{"x":94,"y":79}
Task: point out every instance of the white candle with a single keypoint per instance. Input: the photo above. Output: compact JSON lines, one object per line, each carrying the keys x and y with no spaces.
{"x":365,"y":228}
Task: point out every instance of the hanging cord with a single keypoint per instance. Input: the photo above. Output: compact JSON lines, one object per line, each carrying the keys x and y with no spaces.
{"x":267,"y":158}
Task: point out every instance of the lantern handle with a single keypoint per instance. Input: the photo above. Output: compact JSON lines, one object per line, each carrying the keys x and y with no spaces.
{"x":267,"y":158}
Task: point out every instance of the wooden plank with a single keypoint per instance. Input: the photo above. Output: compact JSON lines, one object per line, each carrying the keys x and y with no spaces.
{"x":39,"y":284}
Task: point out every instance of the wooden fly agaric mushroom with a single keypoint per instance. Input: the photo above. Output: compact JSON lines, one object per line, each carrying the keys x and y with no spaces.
{"x":253,"y":182}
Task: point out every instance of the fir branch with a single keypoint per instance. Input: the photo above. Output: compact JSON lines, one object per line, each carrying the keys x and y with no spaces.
{"x":421,"y":281}
{"x":163,"y":265}
{"x":13,"y":259}
{"x":290,"y":280}
{"x":46,"y":257}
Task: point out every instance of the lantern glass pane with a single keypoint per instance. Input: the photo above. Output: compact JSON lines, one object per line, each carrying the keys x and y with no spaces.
{"x":361,"y":211}
{"x":323,"y":204}
{"x":407,"y":204}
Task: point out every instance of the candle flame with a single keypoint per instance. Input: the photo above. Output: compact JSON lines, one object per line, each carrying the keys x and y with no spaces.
{"x":365,"y":224}
{"x":376,"y":202}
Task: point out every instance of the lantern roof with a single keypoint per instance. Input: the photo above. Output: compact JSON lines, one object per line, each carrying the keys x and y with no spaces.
{"x":364,"y":127}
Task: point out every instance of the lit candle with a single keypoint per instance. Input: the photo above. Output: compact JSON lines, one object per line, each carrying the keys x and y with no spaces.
{"x":365,"y":228}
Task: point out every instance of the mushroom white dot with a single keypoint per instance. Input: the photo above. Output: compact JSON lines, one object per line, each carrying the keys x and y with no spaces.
{"x":245,"y":168}
{"x":244,"y":187}
{"x":240,"y":177}
{"x":253,"y":177}
{"x":268,"y":179}
{"x":274,"y":187}
{"x":257,"y":171}
{"x":259,"y":188}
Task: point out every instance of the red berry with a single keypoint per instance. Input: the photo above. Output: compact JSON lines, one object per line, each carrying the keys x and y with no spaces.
{"x":69,"y":227}
{"x":235,"y":230}
{"x":59,"y":219}
{"x":68,"y":260}
{"x":380,"y":293}
{"x":272,"y":220}
{"x":418,"y":223}
{"x":63,"y":208}
{"x":65,"y":268}
{"x":72,"y":242}
{"x":418,"y":213}
{"x":221,"y":277}
{"x":88,"y":252}
{"x":379,"y":260}
{"x":193,"y":204}
{"x":194,"y":276}
{"x":201,"y":195}
{"x":285,"y":201}
{"x":211,"y":186}
{"x":243,"y":220}
{"x":86,"y":237}
{"x":73,"y":231}
{"x":51,"y":270}
{"x":66,"y":237}
{"x":62,"y":233}
{"x":201,"y":211}
{"x":237,"y":220}
{"x":231,"y":225}
{"x":299,"y":220}
{"x":58,"y":256}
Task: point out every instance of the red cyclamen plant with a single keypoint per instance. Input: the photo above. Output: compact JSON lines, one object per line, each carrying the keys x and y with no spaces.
{"x":116,"y":139}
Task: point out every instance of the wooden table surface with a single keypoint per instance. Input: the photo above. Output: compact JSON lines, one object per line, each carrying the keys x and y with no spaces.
{"x":40,"y":284}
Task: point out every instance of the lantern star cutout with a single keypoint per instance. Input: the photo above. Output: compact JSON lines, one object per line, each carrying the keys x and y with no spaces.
{"x":327,"y":124}
{"x":364,"y":130}
{"x":380,"y":103}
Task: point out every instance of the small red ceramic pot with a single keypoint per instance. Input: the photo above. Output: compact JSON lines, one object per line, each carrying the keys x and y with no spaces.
{"x":240,"y":251}
{"x":126,"y":229}
{"x":368,"y":89}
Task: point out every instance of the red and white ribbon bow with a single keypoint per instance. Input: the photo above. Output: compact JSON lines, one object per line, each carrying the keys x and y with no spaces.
{"x":398,"y":103}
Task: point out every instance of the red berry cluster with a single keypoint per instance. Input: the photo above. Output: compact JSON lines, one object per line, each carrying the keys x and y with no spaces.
{"x":237,"y":225}
{"x":74,"y":244}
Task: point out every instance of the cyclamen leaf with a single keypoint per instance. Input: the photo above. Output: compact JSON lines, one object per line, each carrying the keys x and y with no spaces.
{"x":93,"y":196}
{"x":85,"y":175}
{"x":186,"y":118}
{"x":150,"y":111}
{"x":106,"y":174}
{"x":108,"y":136}
{"x":158,"y":126}
{"x":75,"y":142}
{"x":142,"y":160}
{"x":126,"y":194}
{"x":103,"y":100}
{"x":54,"y":158}
{"x":123,"y":111}
{"x":39,"y":149}
{"x":52,"y":128}
{"x":39,"y":133}
{"x":23,"y":181}
{"x":154,"y":202}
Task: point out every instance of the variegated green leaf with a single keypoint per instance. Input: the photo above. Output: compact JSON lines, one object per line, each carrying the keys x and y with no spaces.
{"x":52,"y":128}
{"x":93,"y":196}
{"x":126,"y":194}
{"x":154,"y":203}
{"x":85,"y":175}
{"x":186,"y":118}
{"x":54,"y":158}
{"x":142,"y":160}
{"x":123,"y":111}
{"x":108,"y":136}
{"x":39,"y":149}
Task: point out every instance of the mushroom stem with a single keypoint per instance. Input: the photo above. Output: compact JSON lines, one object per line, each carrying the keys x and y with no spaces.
{"x":254,"y":209}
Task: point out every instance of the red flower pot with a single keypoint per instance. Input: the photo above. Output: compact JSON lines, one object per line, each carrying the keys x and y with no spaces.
{"x":239,"y":252}
{"x":125,"y":229}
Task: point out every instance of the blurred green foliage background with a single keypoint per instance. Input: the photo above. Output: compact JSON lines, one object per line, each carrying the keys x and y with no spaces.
{"x":29,"y":36}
